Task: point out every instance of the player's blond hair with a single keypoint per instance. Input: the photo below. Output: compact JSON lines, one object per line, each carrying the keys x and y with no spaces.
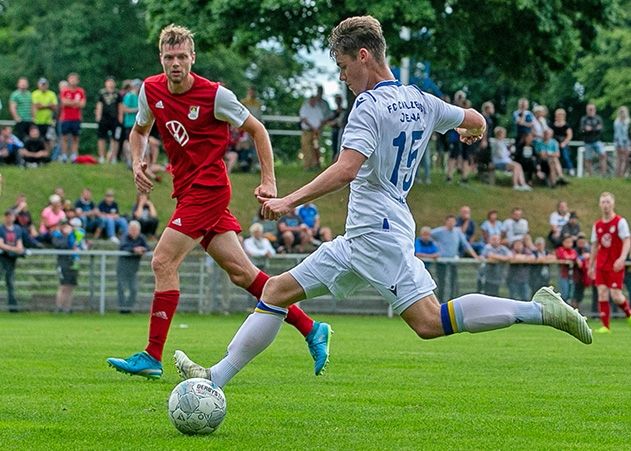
{"x":355,"y":33}
{"x":608,"y":194}
{"x":175,"y":35}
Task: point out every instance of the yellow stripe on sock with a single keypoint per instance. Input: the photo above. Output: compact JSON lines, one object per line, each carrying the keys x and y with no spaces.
{"x":452,"y":316}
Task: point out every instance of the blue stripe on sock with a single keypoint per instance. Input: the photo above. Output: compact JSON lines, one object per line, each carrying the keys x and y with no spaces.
{"x":271,"y":308}
{"x":444,"y":317}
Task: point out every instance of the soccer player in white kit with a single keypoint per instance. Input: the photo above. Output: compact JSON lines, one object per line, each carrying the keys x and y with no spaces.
{"x":388,"y":131}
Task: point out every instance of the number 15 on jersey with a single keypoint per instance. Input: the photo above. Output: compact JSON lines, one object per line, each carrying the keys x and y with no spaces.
{"x":409,"y":153}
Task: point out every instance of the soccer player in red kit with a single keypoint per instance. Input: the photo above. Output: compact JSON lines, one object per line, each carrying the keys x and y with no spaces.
{"x":193,"y":116}
{"x":610,"y":247}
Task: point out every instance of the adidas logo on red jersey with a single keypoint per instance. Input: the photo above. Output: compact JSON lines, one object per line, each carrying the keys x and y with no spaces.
{"x":177,"y":222}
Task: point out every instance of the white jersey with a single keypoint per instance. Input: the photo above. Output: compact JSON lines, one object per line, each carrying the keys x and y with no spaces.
{"x":391,"y":125}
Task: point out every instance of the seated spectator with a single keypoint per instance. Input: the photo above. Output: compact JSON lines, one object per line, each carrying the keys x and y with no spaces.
{"x":558,"y":218}
{"x":293,"y":235}
{"x":496,"y":256}
{"x":515,"y":227}
{"x":10,"y":146}
{"x":34,"y":151}
{"x":11,"y":248}
{"x":111,"y":219}
{"x":540,"y":272}
{"x":519,"y":271}
{"x":63,"y":238}
{"x":270,"y":226}
{"x":24,"y":219}
{"x":127,"y":267}
{"x":572,"y":227}
{"x":550,"y":156}
{"x":539,"y":125}
{"x":144,"y":211}
{"x":525,"y":155}
{"x":566,"y":253}
{"x":424,"y":246}
{"x":86,"y":210}
{"x":310,"y":216}
{"x":257,"y":245}
{"x":69,"y":210}
{"x":51,"y":219}
{"x":491,"y":226}
{"x":502,"y":160}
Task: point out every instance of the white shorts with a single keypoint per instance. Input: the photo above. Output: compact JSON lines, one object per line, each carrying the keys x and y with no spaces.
{"x":384,"y":260}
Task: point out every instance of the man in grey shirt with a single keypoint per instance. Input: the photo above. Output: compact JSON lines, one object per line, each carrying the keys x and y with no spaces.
{"x":496,"y":256}
{"x":449,"y":239}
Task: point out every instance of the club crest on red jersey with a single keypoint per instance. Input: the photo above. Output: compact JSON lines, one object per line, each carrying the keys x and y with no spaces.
{"x":193,"y":112}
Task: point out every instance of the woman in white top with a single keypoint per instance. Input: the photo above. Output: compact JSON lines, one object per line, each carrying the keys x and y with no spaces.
{"x":621,"y":140}
{"x":503,"y":162}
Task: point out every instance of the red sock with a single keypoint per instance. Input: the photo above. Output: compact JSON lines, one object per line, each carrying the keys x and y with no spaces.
{"x":295,"y":315}
{"x":603,"y":306}
{"x":625,"y":308}
{"x":162,"y":311}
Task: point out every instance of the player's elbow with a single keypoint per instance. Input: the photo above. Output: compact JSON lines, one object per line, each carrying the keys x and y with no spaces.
{"x":473,"y":120}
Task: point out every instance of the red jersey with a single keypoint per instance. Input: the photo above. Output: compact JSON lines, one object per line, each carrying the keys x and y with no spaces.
{"x":71,"y":113}
{"x":607,"y":235}
{"x":194,"y":139}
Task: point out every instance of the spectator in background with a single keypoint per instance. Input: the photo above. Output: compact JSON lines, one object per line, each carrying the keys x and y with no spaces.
{"x":539,"y":125}
{"x":270,"y":226}
{"x":491,"y":226}
{"x":519,"y":271}
{"x":337,"y":125}
{"x":24,"y":219}
{"x":459,"y":153}
{"x":449,"y":239}
{"x":44,"y":108}
{"x":10,"y":146}
{"x":51,"y":218}
{"x":540,"y":272}
{"x":496,"y":256}
{"x":488,"y":111}
{"x":424,"y":246}
{"x":257,"y":245}
{"x":111,"y":220}
{"x":11,"y":248}
{"x":558,"y":218}
{"x":567,"y":253}
{"x":34,"y":151}
{"x":582,"y":279}
{"x":106,"y":114}
{"x":21,"y":108}
{"x":72,"y":103}
{"x":523,"y":119}
{"x":128,"y":109}
{"x":548,"y":150}
{"x":501,"y":159}
{"x":525,"y":155}
{"x":310,"y":217}
{"x":252,"y":103}
{"x":293,"y":235}
{"x":591,"y":128}
{"x":515,"y":227}
{"x":563,"y":134}
{"x":63,"y":238}
{"x":86,"y":210}
{"x":323,"y":104}
{"x":467,"y":226}
{"x":311,"y":120}
{"x":572,"y":227}
{"x":144,"y":211}
{"x":621,"y":140}
{"x":127,"y":267}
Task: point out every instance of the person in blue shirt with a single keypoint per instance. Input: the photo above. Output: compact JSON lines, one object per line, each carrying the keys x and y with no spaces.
{"x":310,"y":217}
{"x":424,"y":247}
{"x":10,"y":249}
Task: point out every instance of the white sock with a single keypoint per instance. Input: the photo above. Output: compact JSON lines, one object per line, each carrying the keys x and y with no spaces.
{"x":479,"y":313}
{"x":255,"y":334}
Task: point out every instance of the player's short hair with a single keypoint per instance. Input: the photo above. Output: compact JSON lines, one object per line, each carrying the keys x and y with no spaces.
{"x":607,"y":194}
{"x":175,"y":35}
{"x":355,"y":33}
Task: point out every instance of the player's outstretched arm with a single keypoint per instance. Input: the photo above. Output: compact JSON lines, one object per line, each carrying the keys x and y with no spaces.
{"x":263,"y":146}
{"x":138,"y":138}
{"x":335,"y":177}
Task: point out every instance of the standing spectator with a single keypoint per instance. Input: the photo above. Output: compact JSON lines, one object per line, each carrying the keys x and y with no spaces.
{"x":449,"y":239}
{"x":44,"y":108}
{"x":323,"y":104}
{"x":459,"y":153}
{"x":252,"y":103}
{"x":34,"y":151}
{"x":310,"y":217}
{"x":523,"y":119}
{"x":256,"y":245}
{"x":548,"y":151}
{"x":572,"y":227}
{"x":85,"y":209}
{"x":540,"y":272}
{"x":11,"y":248}
{"x":621,"y":140}
{"x":467,"y":226}
{"x":488,"y":111}
{"x":610,"y":247}
{"x":127,"y":268}
{"x":558,"y":218}
{"x":144,"y":211}
{"x":567,"y":253}
{"x":63,"y":238}
{"x":539,"y":125}
{"x":24,"y":219}
{"x":337,"y":125}
{"x":292,"y":233}
{"x":515,"y":227}
{"x":496,"y":256}
{"x":51,"y":218}
{"x":106,"y":114}
{"x":501,"y":159}
{"x":10,"y":146}
{"x":563,"y":134}
{"x":582,"y":279}
{"x":519,"y":271}
{"x":72,"y":103}
{"x":491,"y":226}
{"x":111,"y":220}
{"x":128,"y":109}
{"x":311,"y":120}
{"x":592,"y":127}
{"x":21,"y":108}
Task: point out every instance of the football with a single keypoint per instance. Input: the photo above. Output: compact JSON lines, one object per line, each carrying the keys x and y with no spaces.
{"x":197,"y":406}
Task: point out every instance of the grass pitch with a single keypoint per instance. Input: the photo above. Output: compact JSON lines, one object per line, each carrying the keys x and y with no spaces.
{"x":521,"y":388}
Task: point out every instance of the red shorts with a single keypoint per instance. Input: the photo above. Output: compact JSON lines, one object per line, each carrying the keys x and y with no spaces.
{"x":612,"y":279}
{"x":203,"y":212}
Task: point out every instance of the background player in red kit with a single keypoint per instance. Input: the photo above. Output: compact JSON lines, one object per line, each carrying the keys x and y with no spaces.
{"x":610,"y":247}
{"x":193,"y":116}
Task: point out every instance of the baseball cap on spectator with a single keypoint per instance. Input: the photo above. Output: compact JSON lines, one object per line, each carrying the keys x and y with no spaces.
{"x":42,"y":81}
{"x":76,"y":222}
{"x":54,"y":199}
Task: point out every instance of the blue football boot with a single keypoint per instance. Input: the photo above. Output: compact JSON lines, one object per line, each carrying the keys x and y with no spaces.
{"x":319,"y":340}
{"x":139,"y":364}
